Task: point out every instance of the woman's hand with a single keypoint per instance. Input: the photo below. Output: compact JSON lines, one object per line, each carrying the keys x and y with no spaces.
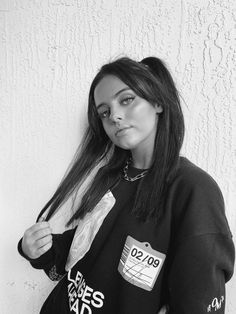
{"x":37,"y":240}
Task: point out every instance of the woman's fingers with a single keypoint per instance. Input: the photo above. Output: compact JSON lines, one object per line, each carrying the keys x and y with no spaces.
{"x":36,"y":227}
{"x":44,"y":241}
{"x":37,"y":239}
{"x":41,"y":233}
{"x":43,"y":249}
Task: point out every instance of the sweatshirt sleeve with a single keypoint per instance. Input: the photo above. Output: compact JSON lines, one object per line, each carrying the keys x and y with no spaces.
{"x":202,"y":251}
{"x":54,"y":260}
{"x":201,"y":267}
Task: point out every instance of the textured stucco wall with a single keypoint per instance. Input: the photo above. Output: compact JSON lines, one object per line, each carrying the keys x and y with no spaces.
{"x":50,"y":51}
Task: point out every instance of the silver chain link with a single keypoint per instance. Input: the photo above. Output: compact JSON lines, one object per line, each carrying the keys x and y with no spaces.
{"x":137,"y":177}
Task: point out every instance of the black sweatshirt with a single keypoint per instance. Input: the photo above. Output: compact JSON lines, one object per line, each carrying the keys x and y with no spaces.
{"x":135,"y":268}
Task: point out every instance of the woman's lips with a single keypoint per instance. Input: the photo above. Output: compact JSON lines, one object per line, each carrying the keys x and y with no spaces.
{"x":122,"y":131}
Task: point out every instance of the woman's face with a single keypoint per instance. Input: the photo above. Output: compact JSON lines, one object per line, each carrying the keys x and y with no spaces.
{"x":129,"y":120}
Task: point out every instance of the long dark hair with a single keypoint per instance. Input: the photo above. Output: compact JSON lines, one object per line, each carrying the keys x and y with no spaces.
{"x":151,"y":80}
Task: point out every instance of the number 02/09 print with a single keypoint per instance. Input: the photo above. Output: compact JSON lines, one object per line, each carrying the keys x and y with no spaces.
{"x":140,"y":264}
{"x":139,"y":255}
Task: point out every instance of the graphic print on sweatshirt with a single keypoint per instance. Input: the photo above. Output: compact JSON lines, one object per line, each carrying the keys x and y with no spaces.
{"x":140,"y":264}
{"x":82,"y":298}
{"x":87,"y":229}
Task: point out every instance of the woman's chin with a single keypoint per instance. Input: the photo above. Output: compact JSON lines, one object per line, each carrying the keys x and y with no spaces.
{"x":126,"y":146}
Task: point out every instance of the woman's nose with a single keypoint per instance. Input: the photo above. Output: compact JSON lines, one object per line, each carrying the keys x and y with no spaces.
{"x":116,"y":115}
{"x":116,"y":118}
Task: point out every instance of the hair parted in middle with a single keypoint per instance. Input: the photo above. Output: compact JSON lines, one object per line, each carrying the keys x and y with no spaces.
{"x":150,"y":80}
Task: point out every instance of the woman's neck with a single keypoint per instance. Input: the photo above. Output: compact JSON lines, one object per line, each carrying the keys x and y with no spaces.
{"x":141,"y":161}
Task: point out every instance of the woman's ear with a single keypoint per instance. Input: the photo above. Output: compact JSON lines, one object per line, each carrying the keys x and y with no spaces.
{"x":159,"y":109}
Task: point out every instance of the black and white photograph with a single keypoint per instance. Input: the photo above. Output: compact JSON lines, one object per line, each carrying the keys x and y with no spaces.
{"x":118,"y":156}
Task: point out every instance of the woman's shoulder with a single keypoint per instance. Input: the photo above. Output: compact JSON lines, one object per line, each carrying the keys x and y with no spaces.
{"x":196,"y":201}
{"x":190,"y":176}
{"x":193,"y":183}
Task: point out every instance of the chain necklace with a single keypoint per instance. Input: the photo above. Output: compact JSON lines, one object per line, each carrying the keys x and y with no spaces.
{"x":137,"y":177}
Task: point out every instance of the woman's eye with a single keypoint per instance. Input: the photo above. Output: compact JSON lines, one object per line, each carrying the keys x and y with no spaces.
{"x":103,"y":114}
{"x":127,"y":100}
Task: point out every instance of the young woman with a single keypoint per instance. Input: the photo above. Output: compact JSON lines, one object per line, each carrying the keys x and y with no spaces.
{"x":151,"y":229}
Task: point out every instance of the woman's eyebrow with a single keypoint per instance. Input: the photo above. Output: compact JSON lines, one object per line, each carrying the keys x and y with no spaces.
{"x":114,"y":96}
{"x":120,"y":91}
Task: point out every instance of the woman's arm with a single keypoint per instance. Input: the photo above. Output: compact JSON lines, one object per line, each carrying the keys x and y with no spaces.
{"x":201,"y":256}
{"x":45,"y":250}
{"x":200,"y":268}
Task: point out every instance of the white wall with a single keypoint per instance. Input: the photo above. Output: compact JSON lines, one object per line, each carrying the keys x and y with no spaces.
{"x":49,"y":53}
